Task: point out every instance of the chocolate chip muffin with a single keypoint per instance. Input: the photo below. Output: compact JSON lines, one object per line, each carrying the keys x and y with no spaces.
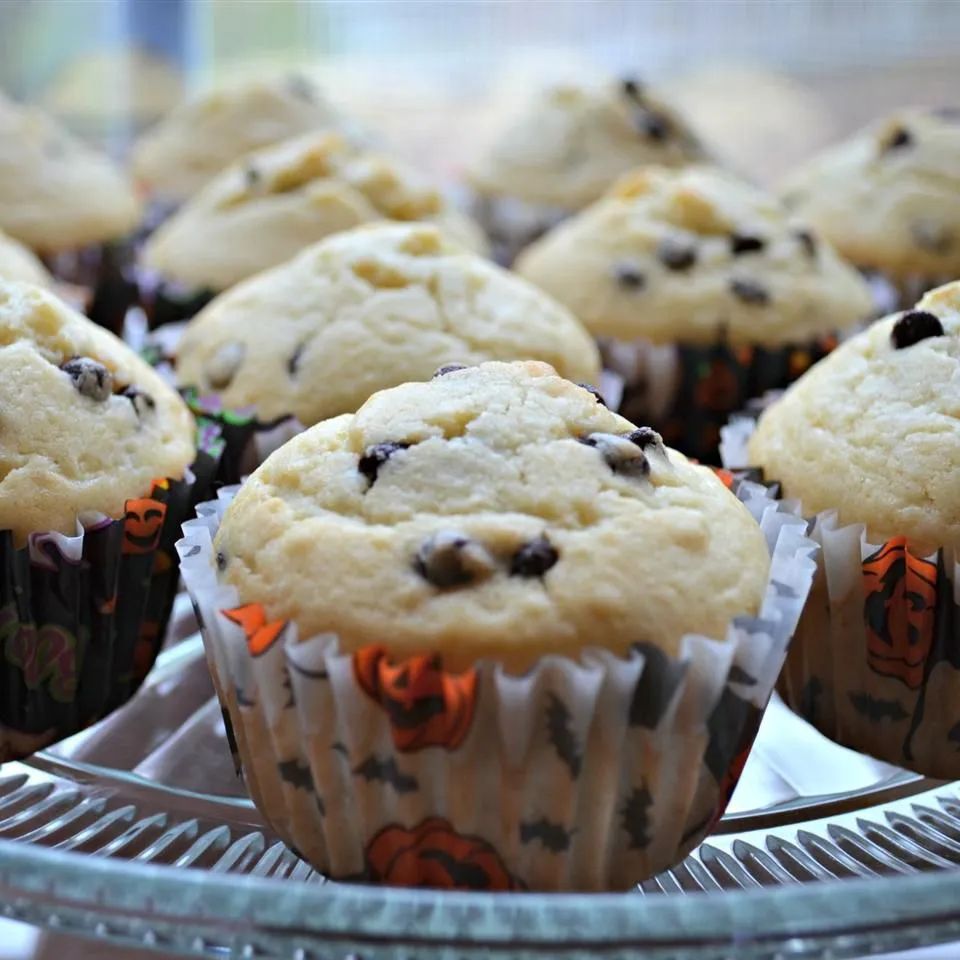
{"x":869,"y":442}
{"x":204,"y":135}
{"x":70,"y":205}
{"x":702,"y":291}
{"x":566,"y":147}
{"x":18,"y":263}
{"x":95,"y":480}
{"x":458,"y":584}
{"x":889,"y":198}
{"x":274,"y":203}
{"x":364,"y":310}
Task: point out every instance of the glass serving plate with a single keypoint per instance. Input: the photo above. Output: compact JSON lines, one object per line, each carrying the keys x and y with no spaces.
{"x":138,"y":832}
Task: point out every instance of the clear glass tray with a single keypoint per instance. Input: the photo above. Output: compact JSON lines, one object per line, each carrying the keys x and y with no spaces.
{"x":138,"y":832}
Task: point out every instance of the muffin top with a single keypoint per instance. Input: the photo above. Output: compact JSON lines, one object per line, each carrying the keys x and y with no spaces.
{"x":493,"y":512}
{"x":56,"y":193}
{"x":85,"y":424}
{"x":367,"y":309}
{"x":695,"y":255}
{"x":265,"y":209}
{"x":874,"y":429}
{"x":18,"y":263}
{"x":202,"y":136}
{"x":572,"y":141}
{"x":889,"y":197}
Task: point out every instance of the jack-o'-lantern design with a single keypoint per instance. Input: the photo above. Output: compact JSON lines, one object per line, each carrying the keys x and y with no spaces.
{"x":718,"y":387}
{"x":433,"y":854}
{"x":143,"y":524}
{"x":46,"y":655}
{"x":260,"y":634}
{"x":899,"y":611}
{"x":426,"y":706}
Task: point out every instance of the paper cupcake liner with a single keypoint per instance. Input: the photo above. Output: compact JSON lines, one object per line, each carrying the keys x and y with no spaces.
{"x":104,"y":274}
{"x":82,"y":617}
{"x":166,"y":301}
{"x":511,"y":224}
{"x":892,"y":294}
{"x":582,"y":774}
{"x":875,"y":664}
{"x":688,"y":393}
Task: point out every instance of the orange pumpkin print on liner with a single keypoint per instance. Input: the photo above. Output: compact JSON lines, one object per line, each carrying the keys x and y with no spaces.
{"x":426,"y":706}
{"x":433,"y":854}
{"x":142,"y":525}
{"x":899,"y":611}
{"x":252,"y":618}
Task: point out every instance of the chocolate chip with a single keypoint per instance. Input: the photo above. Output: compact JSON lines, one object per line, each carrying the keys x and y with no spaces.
{"x":645,"y":437}
{"x":914,"y":326}
{"x":898,"y":138}
{"x":749,"y":291}
{"x":932,"y":237}
{"x":221,"y":561}
{"x":452,"y":559}
{"x":597,"y":395}
{"x":90,"y":378}
{"x":534,"y":558}
{"x":653,"y":125}
{"x":448,"y":368}
{"x":631,"y":87}
{"x":376,"y":456}
{"x":808,"y":241}
{"x":746,"y":243}
{"x":142,"y":402}
{"x":293,"y":364}
{"x":676,"y":254}
{"x":301,"y":87}
{"x":622,"y":455}
{"x":629,"y":277}
{"x":251,"y":175}
{"x":224,"y":364}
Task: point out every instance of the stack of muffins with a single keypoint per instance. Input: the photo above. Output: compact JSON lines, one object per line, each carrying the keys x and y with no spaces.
{"x":474,"y":617}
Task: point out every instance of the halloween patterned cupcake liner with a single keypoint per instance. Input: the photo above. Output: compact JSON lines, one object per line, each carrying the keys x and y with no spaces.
{"x":875,"y":664}
{"x":103,"y":277}
{"x":82,"y":617}
{"x":167,"y":301}
{"x":587,"y":773}
{"x":511,"y":224}
{"x":688,"y":393}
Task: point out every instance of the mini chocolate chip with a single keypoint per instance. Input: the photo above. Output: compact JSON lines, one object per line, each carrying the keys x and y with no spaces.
{"x":534,"y":558}
{"x":448,"y":368}
{"x":597,"y":395}
{"x":898,"y":139}
{"x":645,"y":437}
{"x":653,"y":125}
{"x":808,"y":241}
{"x":631,"y":87}
{"x":749,"y":291}
{"x":452,"y":559}
{"x":622,"y":455}
{"x":224,"y":364}
{"x":90,"y":378}
{"x":746,"y":243}
{"x":301,"y":87}
{"x":676,"y":254}
{"x":932,"y":237}
{"x":251,"y":175}
{"x":142,"y":402}
{"x":629,"y":277}
{"x":293,"y":364}
{"x":376,"y":456}
{"x":914,"y":326}
{"x":221,"y":561}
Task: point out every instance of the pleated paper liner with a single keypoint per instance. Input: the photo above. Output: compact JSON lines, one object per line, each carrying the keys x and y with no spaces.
{"x":166,"y":301}
{"x":875,"y":664}
{"x":582,"y":774}
{"x":892,"y":294}
{"x":688,"y":393}
{"x":82,"y":617}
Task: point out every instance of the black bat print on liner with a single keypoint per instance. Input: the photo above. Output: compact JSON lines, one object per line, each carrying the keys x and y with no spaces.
{"x":375,"y":770}
{"x":561,"y":735}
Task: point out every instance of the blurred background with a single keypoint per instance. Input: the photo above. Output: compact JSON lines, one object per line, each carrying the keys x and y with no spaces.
{"x":414,"y":68}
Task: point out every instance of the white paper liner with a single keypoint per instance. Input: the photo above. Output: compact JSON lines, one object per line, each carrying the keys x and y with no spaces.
{"x":590,"y":774}
{"x":894,"y":697}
